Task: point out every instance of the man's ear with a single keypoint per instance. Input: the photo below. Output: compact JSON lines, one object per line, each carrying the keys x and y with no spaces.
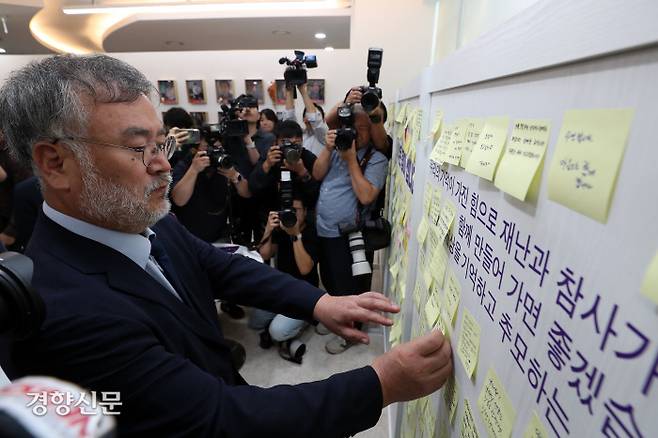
{"x":56,"y":164}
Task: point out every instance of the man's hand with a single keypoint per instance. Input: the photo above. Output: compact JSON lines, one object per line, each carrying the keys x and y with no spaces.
{"x":330,"y":140}
{"x":339,"y":314}
{"x":292,"y":231}
{"x":297,"y":167}
{"x":230,"y":174}
{"x":414,"y":369}
{"x":200,"y":161}
{"x":274,"y":156}
{"x":349,"y":154}
{"x":272,"y":222}
{"x":354,"y":96}
{"x":181,"y":136}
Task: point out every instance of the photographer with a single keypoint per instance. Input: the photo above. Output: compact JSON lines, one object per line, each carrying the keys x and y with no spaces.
{"x":350,"y":178}
{"x":316,"y":128}
{"x":256,"y":141}
{"x":296,"y":250}
{"x":177,"y":121}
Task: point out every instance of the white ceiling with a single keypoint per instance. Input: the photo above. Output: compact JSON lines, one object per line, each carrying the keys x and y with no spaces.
{"x":243,"y":33}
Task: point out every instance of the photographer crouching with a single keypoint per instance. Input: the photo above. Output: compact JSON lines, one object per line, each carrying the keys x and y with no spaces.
{"x":352,"y":172}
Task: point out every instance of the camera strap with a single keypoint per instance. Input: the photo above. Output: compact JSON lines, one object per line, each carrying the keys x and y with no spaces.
{"x":363,"y":163}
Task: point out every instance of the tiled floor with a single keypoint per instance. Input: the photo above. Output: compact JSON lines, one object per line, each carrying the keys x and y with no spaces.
{"x":265,"y":368}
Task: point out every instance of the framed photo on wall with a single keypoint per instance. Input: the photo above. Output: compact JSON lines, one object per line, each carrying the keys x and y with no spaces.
{"x":168,"y":92}
{"x":224,"y":90}
{"x":316,"y":90}
{"x":255,"y":88}
{"x":199,"y":117}
{"x":280,"y":91}
{"x":196,"y":93}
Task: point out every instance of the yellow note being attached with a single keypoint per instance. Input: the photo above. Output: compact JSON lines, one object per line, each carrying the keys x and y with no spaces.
{"x":452,"y":296}
{"x":524,"y":153}
{"x":484,"y":158}
{"x":454,"y":153}
{"x":496,"y":409}
{"x":468,"y":429}
{"x":589,"y":151}
{"x":451,"y":396}
{"x":445,"y":220}
{"x":432,"y":310}
{"x":535,"y":428}
{"x":471,"y":136}
{"x":468,"y":345}
{"x":650,"y":284}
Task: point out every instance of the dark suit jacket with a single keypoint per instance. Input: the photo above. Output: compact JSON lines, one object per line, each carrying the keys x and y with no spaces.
{"x":111,"y":327}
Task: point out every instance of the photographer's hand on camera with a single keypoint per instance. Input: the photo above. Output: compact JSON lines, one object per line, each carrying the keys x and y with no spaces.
{"x":298,"y":168}
{"x":274,"y":156}
{"x":322,"y":164}
{"x":200,"y":162}
{"x":251,"y":115}
{"x":181,"y":135}
{"x":354,"y":95}
{"x":183,"y":190}
{"x":266,"y":248}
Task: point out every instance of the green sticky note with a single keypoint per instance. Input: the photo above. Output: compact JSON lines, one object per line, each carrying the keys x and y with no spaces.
{"x":453,"y":294}
{"x":523,"y":155}
{"x":471,"y":136}
{"x":451,"y":397}
{"x":445,"y":220}
{"x":468,"y":345}
{"x":456,"y":145}
{"x":589,"y":151}
{"x":535,"y":428}
{"x":484,"y":158}
{"x":650,"y":284}
{"x":496,"y":409}
{"x":421,"y":232}
{"x":468,"y":427}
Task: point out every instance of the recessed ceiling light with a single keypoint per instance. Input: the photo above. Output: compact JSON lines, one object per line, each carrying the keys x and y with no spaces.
{"x":2,"y":50}
{"x":321,"y":35}
{"x":329,"y":49}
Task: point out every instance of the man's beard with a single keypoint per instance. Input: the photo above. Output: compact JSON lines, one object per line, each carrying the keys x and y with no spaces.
{"x":111,"y":203}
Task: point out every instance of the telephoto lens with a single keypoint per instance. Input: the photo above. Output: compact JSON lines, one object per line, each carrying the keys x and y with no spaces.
{"x":360,"y":265}
{"x":287,"y":214}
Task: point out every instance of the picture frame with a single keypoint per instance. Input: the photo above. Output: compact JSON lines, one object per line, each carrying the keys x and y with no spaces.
{"x":199,"y":117}
{"x":280,"y":85}
{"x":316,"y":90}
{"x":168,"y":92}
{"x":196,"y":92}
{"x":255,"y":88}
{"x":224,"y":91}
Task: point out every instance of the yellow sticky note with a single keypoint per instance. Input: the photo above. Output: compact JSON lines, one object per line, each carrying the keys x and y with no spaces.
{"x":589,"y":150}
{"x":432,"y":310}
{"x":468,"y":345}
{"x":395,"y":333}
{"x":496,"y":409}
{"x":484,"y":158}
{"x":650,"y":284}
{"x":468,"y":429}
{"x":523,"y":155}
{"x":435,"y":206}
{"x":438,"y":263}
{"x":453,"y":295}
{"x":454,"y":153}
{"x":402,"y":114}
{"x":442,"y":146}
{"x":535,"y":428}
{"x":394,"y":269}
{"x":436,"y":126}
{"x":471,"y":136}
{"x":427,"y":199}
{"x":421,"y":232}
{"x":445,"y":220}
{"x":451,"y":397}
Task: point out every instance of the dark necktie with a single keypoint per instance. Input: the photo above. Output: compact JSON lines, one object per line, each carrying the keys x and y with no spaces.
{"x":167,"y":267}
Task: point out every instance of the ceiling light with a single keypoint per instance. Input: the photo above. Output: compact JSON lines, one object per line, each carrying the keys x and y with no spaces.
{"x":2,"y":50}
{"x":329,"y":49}
{"x":205,"y":7}
{"x":321,"y":35}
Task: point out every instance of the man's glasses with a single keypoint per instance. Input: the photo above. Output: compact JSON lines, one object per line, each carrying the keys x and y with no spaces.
{"x":148,"y":151}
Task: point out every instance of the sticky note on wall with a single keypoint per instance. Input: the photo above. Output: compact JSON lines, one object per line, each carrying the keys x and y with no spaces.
{"x":588,"y":154}
{"x":454,"y":152}
{"x":522,"y":158}
{"x":471,"y":136}
{"x":535,"y":428}
{"x":649,"y":286}
{"x":486,"y":154}
{"x":468,"y":346}
{"x":468,"y":428}
{"x":496,"y":409}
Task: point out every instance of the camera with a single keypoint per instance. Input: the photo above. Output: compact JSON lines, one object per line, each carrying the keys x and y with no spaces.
{"x":292,"y":152}
{"x":346,"y":133}
{"x":371,"y":94}
{"x":21,"y":309}
{"x":194,"y":136}
{"x":229,"y":124}
{"x":360,"y":264}
{"x":219,"y":159}
{"x":295,"y":73}
{"x":287,"y":214}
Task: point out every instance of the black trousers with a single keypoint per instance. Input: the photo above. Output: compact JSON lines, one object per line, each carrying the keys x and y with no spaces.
{"x":336,"y":268}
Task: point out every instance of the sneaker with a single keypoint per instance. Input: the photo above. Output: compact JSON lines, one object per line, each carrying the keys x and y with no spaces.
{"x":337,"y":345}
{"x":292,"y":350}
{"x":232,"y":310}
{"x":320,"y":329}
{"x":265,"y":341}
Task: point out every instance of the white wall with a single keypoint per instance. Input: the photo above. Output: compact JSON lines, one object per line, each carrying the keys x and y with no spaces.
{"x":402,"y":28}
{"x":461,"y":21}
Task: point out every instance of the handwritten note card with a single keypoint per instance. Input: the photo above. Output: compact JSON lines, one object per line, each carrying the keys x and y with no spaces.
{"x":436,"y":126}
{"x":523,"y":155}
{"x":435,"y":208}
{"x":535,"y":428}
{"x":589,"y":151}
{"x":495,"y":407}
{"x":452,"y":296}
{"x":427,"y":199}
{"x":421,"y":232}
{"x":468,"y":346}
{"x":454,"y":153}
{"x":468,"y":429}
{"x":445,"y":220}
{"x":650,"y":283}
{"x":442,"y":146}
{"x":484,"y":158}
{"x":451,"y":397}
{"x":471,"y":136}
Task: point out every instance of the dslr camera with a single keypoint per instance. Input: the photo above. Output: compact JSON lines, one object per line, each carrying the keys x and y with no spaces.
{"x":295,"y":73}
{"x":219,"y":158}
{"x":360,"y":264}
{"x":292,"y":152}
{"x":371,"y":94}
{"x":287,"y":214}
{"x":230,"y":125}
{"x":346,"y":133}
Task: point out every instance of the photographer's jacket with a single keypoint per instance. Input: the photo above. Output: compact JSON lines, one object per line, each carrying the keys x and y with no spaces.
{"x":110,"y":326}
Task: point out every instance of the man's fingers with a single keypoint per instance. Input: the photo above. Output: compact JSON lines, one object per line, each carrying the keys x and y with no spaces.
{"x":429,"y":343}
{"x":441,"y":357}
{"x":353,"y":334}
{"x":378,"y":296}
{"x":370,"y":316}
{"x":375,"y":303}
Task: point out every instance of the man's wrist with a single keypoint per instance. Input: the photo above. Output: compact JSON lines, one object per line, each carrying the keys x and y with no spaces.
{"x":237,"y":179}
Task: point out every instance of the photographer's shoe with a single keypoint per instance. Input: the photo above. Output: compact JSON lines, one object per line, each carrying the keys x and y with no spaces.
{"x":292,"y":350}
{"x":265,"y":341}
{"x":320,"y":329}
{"x":232,"y":310}
{"x":338,"y":345}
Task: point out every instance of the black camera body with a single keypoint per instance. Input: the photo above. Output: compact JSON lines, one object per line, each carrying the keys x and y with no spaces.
{"x":296,"y":74}
{"x":229,"y":124}
{"x":292,"y":152}
{"x":371,"y":94}
{"x":345,"y":134}
{"x":287,"y":214}
{"x":219,"y":158}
